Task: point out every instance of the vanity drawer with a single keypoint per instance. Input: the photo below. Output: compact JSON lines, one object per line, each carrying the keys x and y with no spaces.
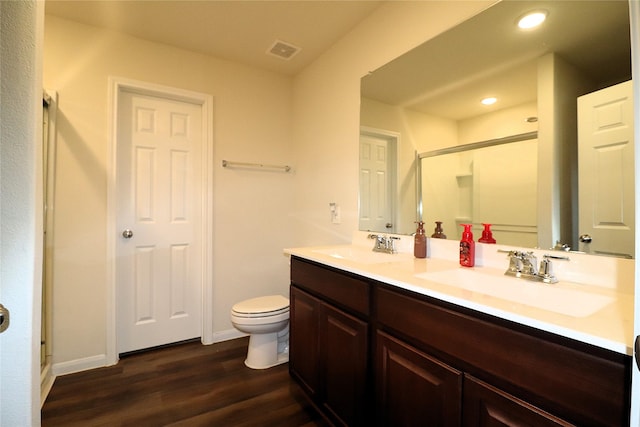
{"x":342,"y":289}
{"x":581,"y":383}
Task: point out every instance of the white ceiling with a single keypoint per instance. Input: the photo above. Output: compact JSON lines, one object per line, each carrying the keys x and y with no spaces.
{"x":236,"y":30}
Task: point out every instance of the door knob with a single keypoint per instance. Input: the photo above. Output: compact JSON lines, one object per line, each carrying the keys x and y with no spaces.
{"x":4,"y":318}
{"x":585,"y":238}
{"x":127,"y":234}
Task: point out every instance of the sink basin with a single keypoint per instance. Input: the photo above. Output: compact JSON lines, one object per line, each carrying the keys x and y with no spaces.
{"x":570,"y":302}
{"x":360,"y":255}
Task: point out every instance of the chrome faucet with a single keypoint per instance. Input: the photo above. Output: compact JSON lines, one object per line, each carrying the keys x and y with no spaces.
{"x":524,"y":265}
{"x":383,"y":243}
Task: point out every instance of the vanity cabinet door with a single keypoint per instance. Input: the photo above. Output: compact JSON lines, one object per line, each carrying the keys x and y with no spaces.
{"x":487,"y":406}
{"x":413,"y":388}
{"x":304,"y":351}
{"x":344,"y":341}
{"x":328,"y":352}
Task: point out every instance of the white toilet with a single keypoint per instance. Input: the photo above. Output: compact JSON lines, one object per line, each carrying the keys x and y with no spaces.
{"x":266,"y":319}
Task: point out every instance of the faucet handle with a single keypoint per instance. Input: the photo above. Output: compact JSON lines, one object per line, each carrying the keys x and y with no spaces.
{"x":391,"y":244}
{"x":380,"y":239}
{"x":546,"y":271}
{"x":515,"y":261}
{"x":546,"y":268}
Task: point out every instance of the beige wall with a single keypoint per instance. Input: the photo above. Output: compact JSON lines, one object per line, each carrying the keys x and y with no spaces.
{"x":326,"y":110}
{"x":502,"y":123}
{"x":252,"y":122}
{"x":21,"y":215}
{"x":559,"y":84}
{"x":310,"y":122}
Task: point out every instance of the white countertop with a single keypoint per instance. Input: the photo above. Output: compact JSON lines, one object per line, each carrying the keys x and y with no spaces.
{"x":598,"y":315}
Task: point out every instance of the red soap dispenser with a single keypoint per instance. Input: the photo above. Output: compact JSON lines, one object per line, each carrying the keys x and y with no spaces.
{"x":420,"y":242}
{"x":467,"y":247}
{"x":487,"y":236}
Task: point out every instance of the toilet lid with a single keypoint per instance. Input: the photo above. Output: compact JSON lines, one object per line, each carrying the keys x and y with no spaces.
{"x":269,"y":305}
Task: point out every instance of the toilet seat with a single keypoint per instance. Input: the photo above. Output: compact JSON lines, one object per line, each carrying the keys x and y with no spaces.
{"x":273,"y":305}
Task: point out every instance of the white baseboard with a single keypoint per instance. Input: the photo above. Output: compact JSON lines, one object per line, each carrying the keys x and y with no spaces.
{"x":227,"y":335}
{"x":46,"y":382}
{"x":78,"y":365}
{"x":100,"y":360}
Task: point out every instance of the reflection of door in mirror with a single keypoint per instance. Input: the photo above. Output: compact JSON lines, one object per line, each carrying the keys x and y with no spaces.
{"x":606,"y":171}
{"x":377,"y":180}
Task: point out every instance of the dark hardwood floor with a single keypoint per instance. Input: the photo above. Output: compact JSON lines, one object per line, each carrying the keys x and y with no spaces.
{"x":184,"y":385}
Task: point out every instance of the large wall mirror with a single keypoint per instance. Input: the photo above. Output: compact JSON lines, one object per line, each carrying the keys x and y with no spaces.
{"x":549,"y":164}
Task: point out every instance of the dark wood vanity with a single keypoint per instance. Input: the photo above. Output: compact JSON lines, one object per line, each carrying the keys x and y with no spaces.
{"x":368,"y":353}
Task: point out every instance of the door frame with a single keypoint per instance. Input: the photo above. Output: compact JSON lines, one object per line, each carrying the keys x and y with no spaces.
{"x":116,"y":86}
{"x":634,"y":12}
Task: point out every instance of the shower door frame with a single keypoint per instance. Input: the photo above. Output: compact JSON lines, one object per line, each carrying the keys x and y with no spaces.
{"x":50,"y":98}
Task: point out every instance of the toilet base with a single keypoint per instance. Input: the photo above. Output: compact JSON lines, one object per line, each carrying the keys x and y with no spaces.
{"x":267,"y":350}
{"x":282,"y":358}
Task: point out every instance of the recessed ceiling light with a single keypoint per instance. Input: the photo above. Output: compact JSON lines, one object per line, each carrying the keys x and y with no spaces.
{"x":489,"y":101}
{"x":532,"y":19}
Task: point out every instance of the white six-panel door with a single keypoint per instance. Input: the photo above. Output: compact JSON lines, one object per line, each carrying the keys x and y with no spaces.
{"x":376,"y":183}
{"x":606,"y":174}
{"x":158,"y":249}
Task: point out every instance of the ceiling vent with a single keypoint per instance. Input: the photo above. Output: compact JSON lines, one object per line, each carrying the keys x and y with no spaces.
{"x":283,"y":50}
